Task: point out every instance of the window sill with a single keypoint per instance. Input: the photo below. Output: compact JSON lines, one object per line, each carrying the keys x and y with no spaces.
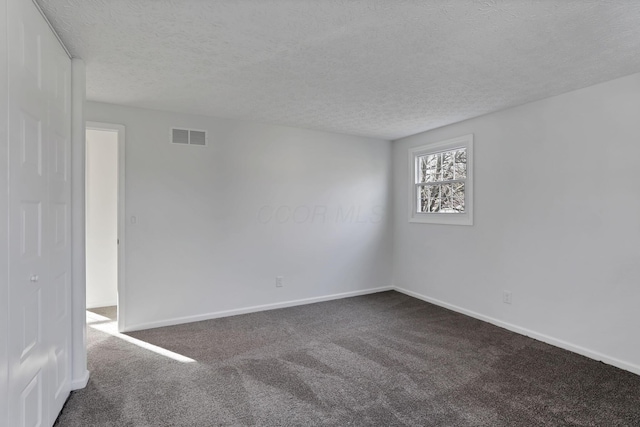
{"x":442,"y":218}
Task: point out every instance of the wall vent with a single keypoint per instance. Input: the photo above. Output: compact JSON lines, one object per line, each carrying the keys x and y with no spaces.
{"x":188,"y":136}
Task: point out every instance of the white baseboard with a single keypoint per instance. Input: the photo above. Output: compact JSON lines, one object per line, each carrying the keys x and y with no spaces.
{"x":254,"y":309}
{"x":79,"y":383}
{"x":627,"y":366}
{"x":100,"y":304}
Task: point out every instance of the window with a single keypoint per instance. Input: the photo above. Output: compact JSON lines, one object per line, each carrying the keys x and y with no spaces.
{"x":441,"y":182}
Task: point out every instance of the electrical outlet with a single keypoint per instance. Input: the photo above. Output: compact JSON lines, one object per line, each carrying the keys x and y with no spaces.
{"x":506,"y":297}
{"x":279,"y":280}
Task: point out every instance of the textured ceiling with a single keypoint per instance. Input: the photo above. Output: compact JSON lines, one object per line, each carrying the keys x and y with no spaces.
{"x":377,"y":68}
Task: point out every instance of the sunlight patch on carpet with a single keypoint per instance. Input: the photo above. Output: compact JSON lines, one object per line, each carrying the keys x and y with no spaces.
{"x":108,"y":326}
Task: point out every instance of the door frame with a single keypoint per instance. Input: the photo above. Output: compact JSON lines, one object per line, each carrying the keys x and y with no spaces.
{"x":120,"y":130}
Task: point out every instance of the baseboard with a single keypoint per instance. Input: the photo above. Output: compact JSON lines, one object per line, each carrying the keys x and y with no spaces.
{"x":80,"y":383}
{"x":254,"y":309}
{"x":627,"y":366}
{"x":101,"y":304}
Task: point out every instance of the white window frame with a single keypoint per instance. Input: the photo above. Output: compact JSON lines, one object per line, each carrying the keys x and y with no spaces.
{"x":465,"y":218}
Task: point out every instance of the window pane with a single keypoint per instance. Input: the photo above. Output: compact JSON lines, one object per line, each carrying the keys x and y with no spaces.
{"x":423,"y":199}
{"x":423,"y":169}
{"x":432,"y":162}
{"x":437,"y":162}
{"x":458,"y":197}
{"x":428,"y":168}
{"x":429,"y":198}
{"x":434,"y":202}
{"x":447,"y":165}
{"x":446,"y":198}
{"x":461,"y":164}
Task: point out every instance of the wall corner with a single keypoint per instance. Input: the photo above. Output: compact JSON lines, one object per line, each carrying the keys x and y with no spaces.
{"x":80,"y":374}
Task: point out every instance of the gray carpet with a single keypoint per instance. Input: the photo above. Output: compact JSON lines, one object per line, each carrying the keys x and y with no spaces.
{"x":379,"y":360}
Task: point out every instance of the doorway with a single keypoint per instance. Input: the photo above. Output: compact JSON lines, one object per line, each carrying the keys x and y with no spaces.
{"x":104,"y":193}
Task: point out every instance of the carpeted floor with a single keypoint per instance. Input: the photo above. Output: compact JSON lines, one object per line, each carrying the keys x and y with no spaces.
{"x":378,"y":360}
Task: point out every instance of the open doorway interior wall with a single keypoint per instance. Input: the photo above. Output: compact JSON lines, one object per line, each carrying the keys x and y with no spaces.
{"x":102,"y":217}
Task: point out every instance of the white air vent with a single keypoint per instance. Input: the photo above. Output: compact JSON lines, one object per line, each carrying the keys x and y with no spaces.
{"x":188,"y":136}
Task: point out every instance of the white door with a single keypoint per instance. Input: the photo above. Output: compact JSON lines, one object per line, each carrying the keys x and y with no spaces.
{"x":39,"y":222}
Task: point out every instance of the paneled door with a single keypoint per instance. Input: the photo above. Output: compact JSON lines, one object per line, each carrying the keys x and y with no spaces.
{"x":39,"y":222}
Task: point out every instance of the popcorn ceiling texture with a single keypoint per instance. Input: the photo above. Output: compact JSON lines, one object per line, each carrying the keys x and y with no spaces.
{"x":384,"y":69}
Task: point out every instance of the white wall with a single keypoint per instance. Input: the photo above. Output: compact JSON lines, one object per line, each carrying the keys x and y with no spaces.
{"x":557,"y":222}
{"x":79,"y":372}
{"x":204,"y":240}
{"x":101,"y":217}
{"x":4,"y":211}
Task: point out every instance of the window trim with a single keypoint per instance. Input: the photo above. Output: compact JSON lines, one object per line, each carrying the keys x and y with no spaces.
{"x":466,"y":218}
